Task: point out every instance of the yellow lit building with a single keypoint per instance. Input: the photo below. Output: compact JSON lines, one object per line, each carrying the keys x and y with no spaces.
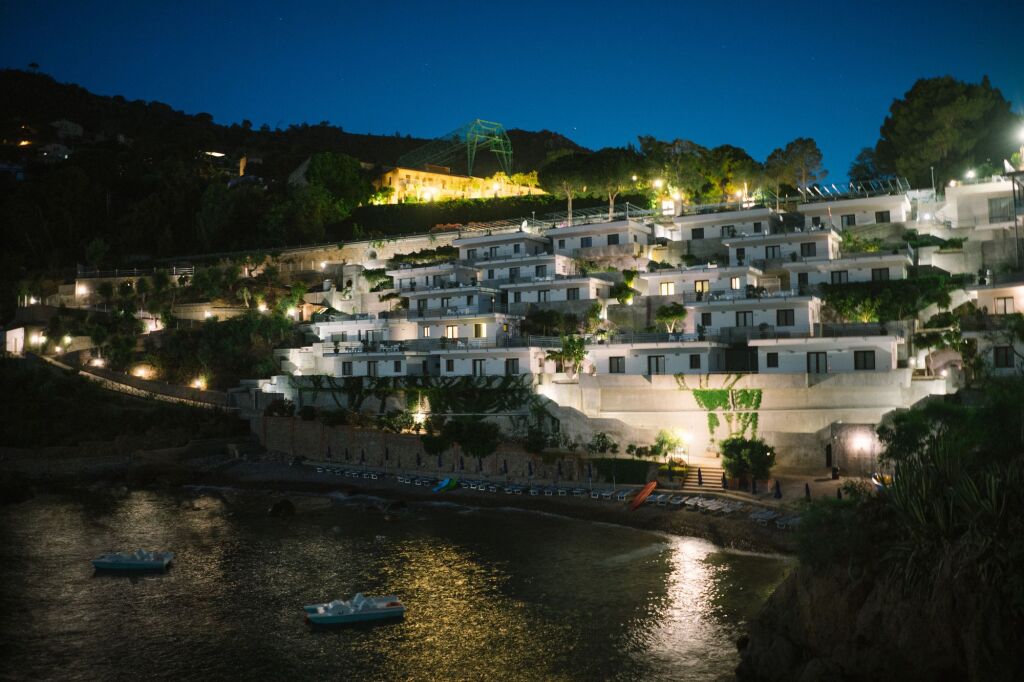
{"x":438,"y":183}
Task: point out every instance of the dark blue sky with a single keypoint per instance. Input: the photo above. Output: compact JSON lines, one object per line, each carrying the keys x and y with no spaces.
{"x":751,"y":74}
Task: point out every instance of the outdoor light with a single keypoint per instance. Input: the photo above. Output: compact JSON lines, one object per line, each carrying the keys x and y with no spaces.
{"x":634,"y":178}
{"x":58,"y":349}
{"x":323,"y":264}
{"x":141,"y":372}
{"x":658,"y":183}
{"x":199,"y":383}
{"x":297,"y":373}
{"x":927,"y":216}
{"x":291,"y":312}
{"x":97,"y":362}
{"x":952,"y":183}
{"x":262,"y":307}
{"x":35,"y":339}
{"x":969,"y":174}
{"x":207,"y":314}
{"x":739,"y":194}
{"x":419,"y":417}
{"x":861,"y":442}
{"x":676,"y":196}
{"x":944,"y":373}
{"x":82,"y":290}
{"x":67,"y":340}
{"x":33,"y":301}
{"x":1020,"y":135}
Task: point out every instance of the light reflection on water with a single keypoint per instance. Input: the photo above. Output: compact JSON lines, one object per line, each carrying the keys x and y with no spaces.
{"x":491,"y":595}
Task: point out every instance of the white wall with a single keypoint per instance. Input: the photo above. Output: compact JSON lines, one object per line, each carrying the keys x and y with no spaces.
{"x":792,"y":354}
{"x":863,"y":210}
{"x":826,"y":247}
{"x":806,"y":312}
{"x":558,"y":290}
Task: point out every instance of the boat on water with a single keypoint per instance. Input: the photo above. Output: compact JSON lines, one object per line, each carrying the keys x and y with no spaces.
{"x":139,"y":560}
{"x":446,"y":484}
{"x":360,"y":609}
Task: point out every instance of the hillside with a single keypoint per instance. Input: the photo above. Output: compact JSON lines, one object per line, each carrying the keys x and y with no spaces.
{"x":37,"y":99}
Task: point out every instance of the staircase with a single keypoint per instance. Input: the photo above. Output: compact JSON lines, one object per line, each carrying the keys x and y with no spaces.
{"x":712,"y":475}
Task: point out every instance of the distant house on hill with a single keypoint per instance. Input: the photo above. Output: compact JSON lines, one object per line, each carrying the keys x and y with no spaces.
{"x":67,"y":130}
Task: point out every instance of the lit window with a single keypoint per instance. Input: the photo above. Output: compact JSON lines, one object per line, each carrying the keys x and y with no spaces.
{"x":451,"y":331}
{"x":668,"y":288}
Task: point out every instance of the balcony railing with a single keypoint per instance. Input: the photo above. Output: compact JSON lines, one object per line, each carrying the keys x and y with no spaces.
{"x":134,"y":272}
{"x":449,"y":311}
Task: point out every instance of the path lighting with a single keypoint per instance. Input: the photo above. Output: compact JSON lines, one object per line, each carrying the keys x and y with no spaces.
{"x":97,"y":362}
{"x":67,"y":340}
{"x":207,"y":314}
{"x":291,"y":312}
{"x":141,"y":372}
{"x":33,"y":300}
{"x":419,"y":417}
{"x":82,"y":290}
{"x":323,"y":264}
{"x":634,"y":178}
{"x":969,"y":174}
{"x":199,"y":383}
{"x":58,"y":350}
{"x":37,"y":339}
{"x":658,"y":183}
{"x":262,"y":307}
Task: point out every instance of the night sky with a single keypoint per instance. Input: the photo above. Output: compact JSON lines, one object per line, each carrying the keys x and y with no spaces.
{"x":755,"y":75}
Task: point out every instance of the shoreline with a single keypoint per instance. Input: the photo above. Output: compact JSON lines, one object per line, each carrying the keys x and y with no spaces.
{"x":180,"y":469}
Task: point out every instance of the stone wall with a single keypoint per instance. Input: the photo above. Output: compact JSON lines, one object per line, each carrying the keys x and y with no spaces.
{"x":343,"y":445}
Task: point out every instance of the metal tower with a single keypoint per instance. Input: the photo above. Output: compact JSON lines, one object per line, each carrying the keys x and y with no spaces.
{"x":467,"y":139}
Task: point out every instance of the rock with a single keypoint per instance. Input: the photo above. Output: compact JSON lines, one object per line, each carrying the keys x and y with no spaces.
{"x":282,"y":509}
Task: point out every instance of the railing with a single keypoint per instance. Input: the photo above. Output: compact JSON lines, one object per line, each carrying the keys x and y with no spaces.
{"x":738,"y":295}
{"x":134,"y":272}
{"x":584,"y":216}
{"x":479,"y":261}
{"x":450,"y":311}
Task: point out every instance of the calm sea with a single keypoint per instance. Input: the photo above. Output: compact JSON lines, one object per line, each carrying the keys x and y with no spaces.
{"x":491,"y":594}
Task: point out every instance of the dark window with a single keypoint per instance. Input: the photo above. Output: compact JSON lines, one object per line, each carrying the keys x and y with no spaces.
{"x":540,"y":271}
{"x":517,"y":297}
{"x":744,"y":318}
{"x":848,"y":220}
{"x":613,"y":240}
{"x":572,"y":293}
{"x":469,"y":300}
{"x":561,"y":243}
{"x":698,"y":233}
{"x":543,"y":295}
{"x":470,"y":254}
{"x":705,"y":319}
{"x":617,"y":364}
{"x":449,"y":365}
{"x":785,"y":317}
{"x":816,"y":221}
{"x":863,"y":359}
{"x":741,"y":253}
{"x":817,"y":363}
{"x":694,"y":361}
{"x":840,"y":277}
{"x":882,"y":217}
{"x":757,"y":227}
{"x":513,"y":273}
{"x":371,"y":368}
{"x":586,"y":242}
{"x":808,"y":249}
{"x":801,"y":279}
{"x":490,"y":274}
{"x":515,"y":248}
{"x":478,"y":368}
{"x":771,"y":360}
{"x":879,"y":274}
{"x":773,"y":252}
{"x":346,"y":368}
{"x":999,"y":209}
{"x":655,"y":364}
{"x":1002,"y":357}
{"x":511,"y":366}
{"x":398,"y":366}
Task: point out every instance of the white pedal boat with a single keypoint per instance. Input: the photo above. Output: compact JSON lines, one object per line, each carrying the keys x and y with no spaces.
{"x":139,"y":560}
{"x":360,"y":609}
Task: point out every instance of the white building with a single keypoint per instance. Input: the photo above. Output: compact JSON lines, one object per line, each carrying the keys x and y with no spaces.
{"x":772,"y":250}
{"x":843,"y":213}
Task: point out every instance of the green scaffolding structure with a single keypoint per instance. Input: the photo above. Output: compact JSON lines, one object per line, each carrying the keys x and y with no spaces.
{"x":466,"y":140}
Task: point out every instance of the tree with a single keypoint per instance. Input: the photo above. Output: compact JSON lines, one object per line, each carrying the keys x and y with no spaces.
{"x":611,"y":170}
{"x":803,"y":158}
{"x":666,"y":443}
{"x":564,"y":178}
{"x":865,"y":166}
{"x":96,"y":252}
{"x":746,"y":457}
{"x":946,"y":124}
{"x":671,"y":315}
{"x":343,"y":177}
{"x":572,"y":354}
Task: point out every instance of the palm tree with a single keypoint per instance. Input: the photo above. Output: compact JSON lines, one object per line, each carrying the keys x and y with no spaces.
{"x":571,"y":355}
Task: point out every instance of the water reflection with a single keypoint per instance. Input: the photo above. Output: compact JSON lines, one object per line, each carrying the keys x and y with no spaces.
{"x":490,"y":594}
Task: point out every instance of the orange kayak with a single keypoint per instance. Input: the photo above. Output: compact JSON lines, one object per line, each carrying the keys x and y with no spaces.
{"x":643,"y":495}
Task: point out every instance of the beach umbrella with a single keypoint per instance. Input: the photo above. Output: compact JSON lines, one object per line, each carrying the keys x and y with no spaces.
{"x":559,"y":468}
{"x":753,"y":487}
{"x":807,"y":491}
{"x":670,"y":470}
{"x":590,"y":476}
{"x":504,"y":466}
{"x":479,"y":464}
{"x":778,"y":490}
{"x":418,"y":460}
{"x":346,"y":454}
{"x":362,"y":456}
{"x":700,"y":477}
{"x":386,"y":454}
{"x":328,"y":452}
{"x":839,"y":493}
{"x":462,"y":463}
{"x":529,"y":469}
{"x":725,"y":483}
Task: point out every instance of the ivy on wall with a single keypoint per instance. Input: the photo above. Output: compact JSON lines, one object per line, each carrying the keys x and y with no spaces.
{"x":737,"y":406}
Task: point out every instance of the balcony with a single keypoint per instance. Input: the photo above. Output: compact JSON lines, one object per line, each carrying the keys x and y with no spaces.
{"x":449,"y":311}
{"x":630,"y":250}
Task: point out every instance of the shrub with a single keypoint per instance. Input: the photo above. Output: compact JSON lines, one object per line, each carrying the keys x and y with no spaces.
{"x":747,"y":458}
